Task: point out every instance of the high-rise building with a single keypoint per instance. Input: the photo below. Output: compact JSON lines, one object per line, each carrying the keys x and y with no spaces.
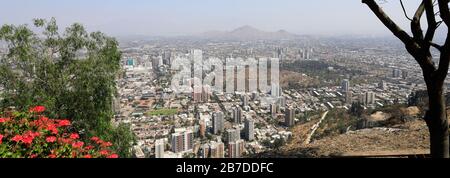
{"x":177,"y":142}
{"x":202,"y":128}
{"x":276,"y":90}
{"x":237,"y":115}
{"x":367,"y":98}
{"x":245,"y":100}
{"x":370,"y":98}
{"x":159,"y":148}
{"x":249,"y":127}
{"x":273,"y":110}
{"x":217,"y":150}
{"x":206,"y":153}
{"x":236,"y":149}
{"x":233,"y":135}
{"x":182,"y":141}
{"x":217,"y":122}
{"x":345,"y":85}
{"x":289,"y":117}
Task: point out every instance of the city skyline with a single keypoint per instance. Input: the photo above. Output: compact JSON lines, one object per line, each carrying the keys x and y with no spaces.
{"x":178,"y":18}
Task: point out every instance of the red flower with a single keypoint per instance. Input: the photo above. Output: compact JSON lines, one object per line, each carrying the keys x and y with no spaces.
{"x":113,"y":156}
{"x":87,"y":156}
{"x":62,"y":123}
{"x":104,"y":152}
{"x":50,"y":139}
{"x":52,"y":156}
{"x":33,"y":156}
{"x":74,"y":136}
{"x":37,"y":109}
{"x":77,"y":144}
{"x":106,"y":144}
{"x":52,"y":128}
{"x":4,"y":120}
{"x":27,"y":139}
{"x":95,"y":139}
{"x":1,"y":138}
{"x":17,"y":138}
{"x":90,"y":147}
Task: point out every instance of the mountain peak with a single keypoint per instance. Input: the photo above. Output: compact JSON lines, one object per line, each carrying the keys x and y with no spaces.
{"x":248,"y":32}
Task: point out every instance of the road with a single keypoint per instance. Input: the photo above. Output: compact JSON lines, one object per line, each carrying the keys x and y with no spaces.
{"x":315,"y":127}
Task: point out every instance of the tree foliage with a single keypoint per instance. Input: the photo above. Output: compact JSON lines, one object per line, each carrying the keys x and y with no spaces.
{"x":70,"y":72}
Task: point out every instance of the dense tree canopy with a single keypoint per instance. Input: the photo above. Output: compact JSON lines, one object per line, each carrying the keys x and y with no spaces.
{"x":72,"y":73}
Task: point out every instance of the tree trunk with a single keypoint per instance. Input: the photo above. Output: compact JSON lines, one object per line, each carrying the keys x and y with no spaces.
{"x":436,"y":119}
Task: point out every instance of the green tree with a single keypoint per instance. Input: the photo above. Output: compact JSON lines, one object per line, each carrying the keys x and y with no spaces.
{"x":72,"y":73}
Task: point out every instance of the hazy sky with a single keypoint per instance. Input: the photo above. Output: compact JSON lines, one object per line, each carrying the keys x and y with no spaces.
{"x":183,"y":17}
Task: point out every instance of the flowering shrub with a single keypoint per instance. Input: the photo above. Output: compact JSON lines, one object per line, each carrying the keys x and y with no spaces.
{"x":32,"y":135}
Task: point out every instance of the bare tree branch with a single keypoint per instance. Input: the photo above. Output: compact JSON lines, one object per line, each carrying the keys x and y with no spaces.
{"x":416,"y":28}
{"x":444,"y":62}
{"x":431,"y":19}
{"x":404,"y":10}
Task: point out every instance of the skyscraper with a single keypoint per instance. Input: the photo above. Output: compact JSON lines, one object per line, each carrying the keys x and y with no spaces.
{"x":249,"y":129}
{"x":289,"y":117}
{"x":233,"y":135}
{"x":217,"y":122}
{"x":345,"y":85}
{"x":237,"y":115}
{"x":236,"y":149}
{"x":273,"y":109}
{"x":245,"y":100}
{"x":217,"y":150}
{"x":159,"y":148}
{"x":202,"y":129}
{"x":370,"y":98}
{"x":182,"y":141}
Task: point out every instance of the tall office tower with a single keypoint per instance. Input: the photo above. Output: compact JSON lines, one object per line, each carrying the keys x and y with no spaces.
{"x":245,"y":100}
{"x":276,"y":90}
{"x":249,"y":127}
{"x":236,"y":149}
{"x":281,"y":101}
{"x":182,"y":141}
{"x":159,"y":148}
{"x":289,"y":117}
{"x":237,"y":115}
{"x":370,"y":98}
{"x":217,"y":122}
{"x":217,"y":150}
{"x":206,"y":152}
{"x":233,"y":135}
{"x":177,"y":142}
{"x":345,"y":85}
{"x":202,"y":129}
{"x":273,"y":110}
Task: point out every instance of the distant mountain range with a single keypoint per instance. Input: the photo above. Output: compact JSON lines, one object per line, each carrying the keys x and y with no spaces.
{"x":248,"y":33}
